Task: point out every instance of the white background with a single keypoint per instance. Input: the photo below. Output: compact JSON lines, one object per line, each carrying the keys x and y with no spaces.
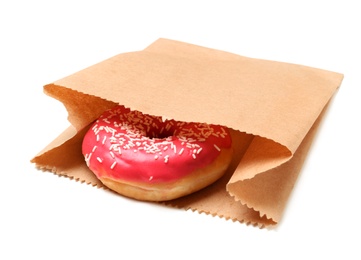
{"x":43,"y":216}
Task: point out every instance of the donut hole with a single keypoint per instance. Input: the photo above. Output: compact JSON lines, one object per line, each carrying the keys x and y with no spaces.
{"x":160,"y":135}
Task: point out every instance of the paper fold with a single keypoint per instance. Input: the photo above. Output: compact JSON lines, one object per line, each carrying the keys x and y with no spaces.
{"x":271,"y":106}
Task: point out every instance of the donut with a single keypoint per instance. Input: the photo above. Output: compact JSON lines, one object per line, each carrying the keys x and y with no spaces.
{"x":145,"y":158}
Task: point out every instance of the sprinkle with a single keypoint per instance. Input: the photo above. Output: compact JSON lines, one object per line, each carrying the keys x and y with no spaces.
{"x":166,"y":158}
{"x":94,"y":148}
{"x":105,"y":138}
{"x":151,"y":178}
{"x":97,"y":138}
{"x":194,"y":156}
{"x":156,"y":157}
{"x":215,"y":146}
{"x":99,"y":160}
{"x":181,"y":151}
{"x":87,"y":158}
{"x":199,"y":150}
{"x":113,"y":165}
{"x":112,"y":154}
{"x":113,"y":139}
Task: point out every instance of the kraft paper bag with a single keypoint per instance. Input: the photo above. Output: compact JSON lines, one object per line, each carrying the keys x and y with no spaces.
{"x":272,"y":108}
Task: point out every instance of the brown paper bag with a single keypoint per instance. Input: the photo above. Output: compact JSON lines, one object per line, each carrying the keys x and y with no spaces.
{"x":273,"y":109}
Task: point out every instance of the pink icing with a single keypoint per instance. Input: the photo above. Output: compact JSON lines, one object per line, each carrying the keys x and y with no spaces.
{"x":136,"y":147}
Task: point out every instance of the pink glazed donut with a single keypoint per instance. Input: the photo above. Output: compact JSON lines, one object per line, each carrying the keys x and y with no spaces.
{"x":142,"y":157}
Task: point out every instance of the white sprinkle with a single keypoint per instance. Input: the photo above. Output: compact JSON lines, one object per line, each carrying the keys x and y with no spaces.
{"x":165,"y":148}
{"x":135,"y":150}
{"x":112,"y":154}
{"x":181,"y":151}
{"x":87,"y":159}
{"x":194,"y":156}
{"x":99,"y":160}
{"x":166,"y":158}
{"x":215,"y":146}
{"x":105,"y":138}
{"x":113,"y":165}
{"x":94,"y":148}
{"x":155,"y":157}
{"x":151,"y":178}
{"x":199,"y":150}
{"x":97,"y":138}
{"x":113,"y":146}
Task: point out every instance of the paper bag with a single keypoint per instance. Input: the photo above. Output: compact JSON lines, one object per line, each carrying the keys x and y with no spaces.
{"x":272,"y":109}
